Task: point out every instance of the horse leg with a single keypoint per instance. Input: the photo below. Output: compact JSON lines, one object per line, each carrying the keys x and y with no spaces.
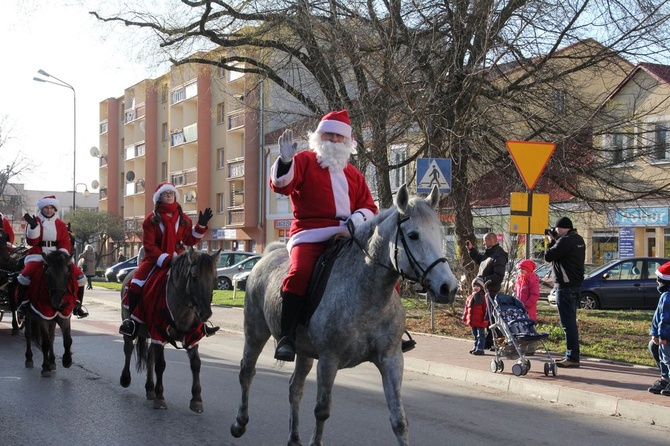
{"x":159,"y":357}
{"x":47,"y":349}
{"x":255,"y":338}
{"x":149,"y":385}
{"x":391,"y":369}
{"x":196,"y":391}
{"x":326,"y":371}
{"x":28,"y":332}
{"x":52,"y":338}
{"x":128,"y":346}
{"x":303,"y":365}
{"x":66,"y":331}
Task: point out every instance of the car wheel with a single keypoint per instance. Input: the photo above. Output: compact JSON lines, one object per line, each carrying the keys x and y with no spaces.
{"x":589,"y":302}
{"x":223,"y":283}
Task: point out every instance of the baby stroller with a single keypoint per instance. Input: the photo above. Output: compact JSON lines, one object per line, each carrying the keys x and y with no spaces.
{"x":514,"y":335}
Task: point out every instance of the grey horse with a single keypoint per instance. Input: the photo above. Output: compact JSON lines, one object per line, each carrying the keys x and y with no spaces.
{"x":359,"y":318}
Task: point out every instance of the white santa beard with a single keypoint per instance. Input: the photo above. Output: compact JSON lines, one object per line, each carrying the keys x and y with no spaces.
{"x":332,"y":155}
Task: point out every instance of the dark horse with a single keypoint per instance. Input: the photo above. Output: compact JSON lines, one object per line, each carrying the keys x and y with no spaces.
{"x":191,"y":281}
{"x":51,"y":304}
{"x":359,"y":318}
{"x":11,"y":264}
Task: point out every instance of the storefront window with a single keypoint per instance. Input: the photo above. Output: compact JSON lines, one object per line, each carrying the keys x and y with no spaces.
{"x":666,"y":243}
{"x":605,"y":247}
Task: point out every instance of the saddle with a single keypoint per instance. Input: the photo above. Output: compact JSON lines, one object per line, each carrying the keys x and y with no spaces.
{"x":320,"y":276}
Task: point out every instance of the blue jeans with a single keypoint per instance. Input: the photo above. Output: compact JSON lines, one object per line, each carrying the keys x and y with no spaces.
{"x":664,"y":361}
{"x":479,"y":334}
{"x":566,"y":300}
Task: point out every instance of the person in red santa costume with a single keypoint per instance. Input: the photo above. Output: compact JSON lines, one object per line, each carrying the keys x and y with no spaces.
{"x":304,"y":177}
{"x":46,"y":233}
{"x":166,"y":231}
{"x":7,"y":227}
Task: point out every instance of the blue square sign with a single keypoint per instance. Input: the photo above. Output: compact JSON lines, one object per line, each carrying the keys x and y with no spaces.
{"x":433,"y":172}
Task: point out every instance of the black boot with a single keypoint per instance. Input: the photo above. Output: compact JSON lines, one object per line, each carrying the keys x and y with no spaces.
{"x":409,"y":344}
{"x":210,"y":330}
{"x":22,"y":300}
{"x":80,"y":310}
{"x":290,"y":310}
{"x":128,"y":326}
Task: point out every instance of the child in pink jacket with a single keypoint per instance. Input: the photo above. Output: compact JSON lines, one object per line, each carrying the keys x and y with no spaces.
{"x":527,"y":287}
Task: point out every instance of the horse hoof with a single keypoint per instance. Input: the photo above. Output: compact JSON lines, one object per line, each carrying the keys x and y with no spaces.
{"x":67,"y":361}
{"x":237,"y":430}
{"x":125,"y":381}
{"x":46,"y":373}
{"x":29,"y":364}
{"x":196,"y":406}
{"x":151,"y":396}
{"x":52,"y":367}
{"x":160,"y":404}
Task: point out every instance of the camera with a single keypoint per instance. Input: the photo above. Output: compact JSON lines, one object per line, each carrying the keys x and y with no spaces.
{"x":551,"y":232}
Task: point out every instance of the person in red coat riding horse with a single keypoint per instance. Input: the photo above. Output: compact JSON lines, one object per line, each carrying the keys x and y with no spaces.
{"x":46,"y":233}
{"x":7,"y":227}
{"x":166,"y":231}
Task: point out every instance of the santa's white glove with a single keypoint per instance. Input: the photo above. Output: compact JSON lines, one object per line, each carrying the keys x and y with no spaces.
{"x":287,"y":146}
{"x":357,"y":219}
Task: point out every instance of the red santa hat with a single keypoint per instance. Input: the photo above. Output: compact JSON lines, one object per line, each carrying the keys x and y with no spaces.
{"x":663,"y":272}
{"x":48,"y":200}
{"x":164,"y":187}
{"x":336,"y":122}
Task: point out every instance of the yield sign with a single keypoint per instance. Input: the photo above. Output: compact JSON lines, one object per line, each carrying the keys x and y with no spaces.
{"x":530,"y":158}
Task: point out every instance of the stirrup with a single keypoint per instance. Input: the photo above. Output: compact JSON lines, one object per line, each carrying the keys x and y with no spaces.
{"x":128,"y":328}
{"x":285,"y":350}
{"x":210,"y":330}
{"x":409,"y":344}
{"x":80,"y":311}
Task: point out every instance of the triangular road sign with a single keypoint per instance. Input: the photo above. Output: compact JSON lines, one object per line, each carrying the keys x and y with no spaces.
{"x":530,"y":158}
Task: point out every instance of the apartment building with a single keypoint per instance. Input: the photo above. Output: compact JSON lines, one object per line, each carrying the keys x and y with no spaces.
{"x":197,"y":127}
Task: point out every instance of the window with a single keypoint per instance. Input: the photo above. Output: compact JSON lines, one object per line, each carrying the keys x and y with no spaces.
{"x":165,"y":92}
{"x":220,"y":113}
{"x":220,"y":200}
{"x":397,"y":155}
{"x":220,"y":159}
{"x":661,"y":142}
{"x":164,"y":171}
{"x":164,"y":131}
{"x":559,"y":102}
{"x":622,"y":148}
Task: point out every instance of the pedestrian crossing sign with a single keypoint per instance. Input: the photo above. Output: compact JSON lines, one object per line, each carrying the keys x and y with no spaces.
{"x":433,"y":172}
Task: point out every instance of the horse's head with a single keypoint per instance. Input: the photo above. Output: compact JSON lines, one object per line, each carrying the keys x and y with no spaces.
{"x":57,"y":270}
{"x":197,"y":272}
{"x":418,"y":251}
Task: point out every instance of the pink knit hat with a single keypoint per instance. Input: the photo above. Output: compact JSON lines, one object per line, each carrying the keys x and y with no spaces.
{"x":527,"y":265}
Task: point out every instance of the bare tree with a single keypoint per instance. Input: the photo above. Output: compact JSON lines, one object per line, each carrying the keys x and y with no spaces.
{"x":453,"y":79}
{"x":11,"y":195}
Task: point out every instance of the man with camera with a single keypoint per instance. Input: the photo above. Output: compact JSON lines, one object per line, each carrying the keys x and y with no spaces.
{"x":566,"y":250}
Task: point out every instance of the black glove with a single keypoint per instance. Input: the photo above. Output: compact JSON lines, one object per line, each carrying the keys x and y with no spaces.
{"x":31,"y":220}
{"x":204,"y":216}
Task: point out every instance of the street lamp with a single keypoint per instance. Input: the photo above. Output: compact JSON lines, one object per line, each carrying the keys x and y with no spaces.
{"x":86,"y":193}
{"x":62,"y":83}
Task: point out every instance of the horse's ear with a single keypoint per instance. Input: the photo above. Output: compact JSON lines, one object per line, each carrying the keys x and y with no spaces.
{"x":192,"y":254}
{"x":434,"y":198}
{"x":402,"y":198}
{"x":216,"y":256}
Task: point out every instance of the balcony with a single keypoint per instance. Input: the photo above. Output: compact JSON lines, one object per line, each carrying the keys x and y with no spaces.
{"x":235,"y":218}
{"x":236,"y":168}
{"x":235,"y":121}
{"x":135,"y":187}
{"x":184,"y":177}
{"x":134,"y":151}
{"x":103,"y":160}
{"x":103,"y":193}
{"x":184,"y":136}
{"x":104,"y":126}
{"x":184,"y":93}
{"x":133,"y":224}
{"x":134,"y":113}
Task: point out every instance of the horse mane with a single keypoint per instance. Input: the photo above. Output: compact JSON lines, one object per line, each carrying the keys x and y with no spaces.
{"x":58,"y":257}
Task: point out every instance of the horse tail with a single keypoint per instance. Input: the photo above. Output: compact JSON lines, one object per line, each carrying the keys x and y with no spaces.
{"x":142,"y":352}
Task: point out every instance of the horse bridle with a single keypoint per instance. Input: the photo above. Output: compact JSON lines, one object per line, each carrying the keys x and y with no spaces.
{"x":420,"y":274}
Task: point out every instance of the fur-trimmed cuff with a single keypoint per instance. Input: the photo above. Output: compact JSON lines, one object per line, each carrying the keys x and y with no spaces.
{"x":162,"y":259}
{"x":285,"y":179}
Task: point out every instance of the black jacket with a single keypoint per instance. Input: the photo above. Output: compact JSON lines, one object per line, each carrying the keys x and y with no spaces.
{"x":567,"y":257}
{"x":491,"y":266}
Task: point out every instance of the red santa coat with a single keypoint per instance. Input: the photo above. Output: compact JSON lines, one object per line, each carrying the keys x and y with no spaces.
{"x":156,"y":251}
{"x":7,"y":227}
{"x":49,"y":235}
{"x":33,"y":277}
{"x":321,"y":208}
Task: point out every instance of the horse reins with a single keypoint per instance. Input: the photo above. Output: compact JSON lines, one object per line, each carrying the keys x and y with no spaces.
{"x":419,"y":273}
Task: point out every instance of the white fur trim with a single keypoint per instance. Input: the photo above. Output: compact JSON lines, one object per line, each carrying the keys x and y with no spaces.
{"x":161,"y":259}
{"x":332,"y":126}
{"x":284,"y":180}
{"x":163,"y":188}
{"x":316,"y":235}
{"x":340,"y":188}
{"x":46,"y":201}
{"x":662,"y":276}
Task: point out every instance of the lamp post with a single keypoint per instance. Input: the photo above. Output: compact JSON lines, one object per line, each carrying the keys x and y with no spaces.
{"x":86,"y":192}
{"x":62,"y":83}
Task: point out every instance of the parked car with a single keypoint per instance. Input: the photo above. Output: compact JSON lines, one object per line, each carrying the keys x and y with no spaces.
{"x":230,"y":258}
{"x":240,"y":280}
{"x":124,"y":272}
{"x":112,"y":271}
{"x":225,"y":275}
{"x":620,"y":284}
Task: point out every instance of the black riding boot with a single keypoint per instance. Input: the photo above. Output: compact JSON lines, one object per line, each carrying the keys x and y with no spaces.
{"x":128,"y":326}
{"x":80,"y":310}
{"x":290,"y":309}
{"x":409,"y":344}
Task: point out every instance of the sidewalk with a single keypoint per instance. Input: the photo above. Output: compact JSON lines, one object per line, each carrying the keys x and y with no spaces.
{"x":611,"y":388}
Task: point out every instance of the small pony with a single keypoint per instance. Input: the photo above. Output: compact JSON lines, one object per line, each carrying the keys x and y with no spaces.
{"x":359,"y":318}
{"x":51,"y":304}
{"x":178,"y":315}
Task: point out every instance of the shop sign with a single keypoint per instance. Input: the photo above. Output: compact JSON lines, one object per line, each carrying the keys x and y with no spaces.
{"x":626,"y":242}
{"x":640,"y":217}
{"x":282,"y":224}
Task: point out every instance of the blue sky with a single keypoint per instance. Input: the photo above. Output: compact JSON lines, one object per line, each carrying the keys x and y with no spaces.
{"x":61,"y":38}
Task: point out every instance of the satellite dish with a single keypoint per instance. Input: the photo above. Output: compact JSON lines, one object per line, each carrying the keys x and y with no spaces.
{"x":95,"y":152}
{"x":95,"y":184}
{"x":130,"y":175}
